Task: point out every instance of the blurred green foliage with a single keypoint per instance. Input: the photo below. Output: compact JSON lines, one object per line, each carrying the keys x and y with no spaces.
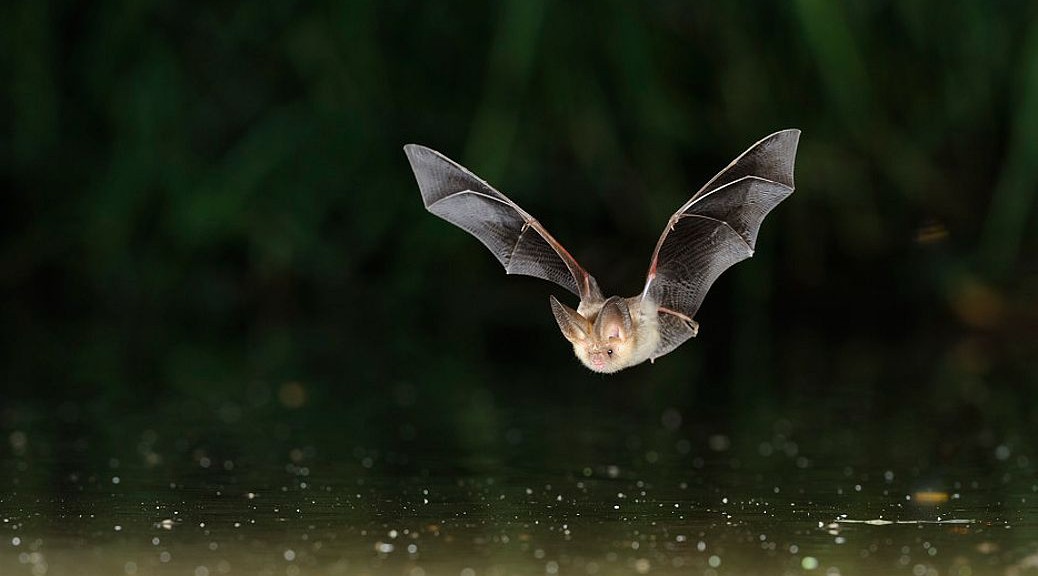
{"x":205,"y":197}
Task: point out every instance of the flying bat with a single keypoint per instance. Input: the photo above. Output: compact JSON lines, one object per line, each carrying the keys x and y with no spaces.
{"x":713,"y":230}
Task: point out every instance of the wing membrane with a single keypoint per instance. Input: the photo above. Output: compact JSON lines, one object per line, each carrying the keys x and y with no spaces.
{"x":517,"y":239}
{"x":714,"y":230}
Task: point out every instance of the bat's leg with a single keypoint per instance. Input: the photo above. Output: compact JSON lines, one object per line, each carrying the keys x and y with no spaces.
{"x":692,"y":324}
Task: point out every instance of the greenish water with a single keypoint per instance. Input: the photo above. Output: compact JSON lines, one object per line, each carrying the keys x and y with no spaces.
{"x":819,"y":485}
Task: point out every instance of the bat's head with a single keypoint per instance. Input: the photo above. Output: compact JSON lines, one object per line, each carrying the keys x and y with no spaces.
{"x":604,"y":345}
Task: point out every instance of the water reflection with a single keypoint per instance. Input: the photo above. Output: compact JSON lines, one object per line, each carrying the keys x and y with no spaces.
{"x":550,"y":488}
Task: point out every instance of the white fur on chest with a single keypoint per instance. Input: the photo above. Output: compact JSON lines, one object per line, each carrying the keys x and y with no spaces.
{"x":645,"y":317}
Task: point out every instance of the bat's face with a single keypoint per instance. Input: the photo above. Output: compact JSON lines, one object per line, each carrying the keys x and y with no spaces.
{"x":604,"y":345}
{"x":605,"y":357}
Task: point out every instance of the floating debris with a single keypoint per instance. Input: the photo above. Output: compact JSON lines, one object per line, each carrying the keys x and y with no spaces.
{"x":882,"y":522}
{"x":930,"y":497}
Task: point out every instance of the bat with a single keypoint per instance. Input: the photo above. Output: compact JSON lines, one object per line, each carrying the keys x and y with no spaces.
{"x":716,"y":228}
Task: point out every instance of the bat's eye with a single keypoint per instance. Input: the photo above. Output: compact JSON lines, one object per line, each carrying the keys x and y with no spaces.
{"x":609,"y":351}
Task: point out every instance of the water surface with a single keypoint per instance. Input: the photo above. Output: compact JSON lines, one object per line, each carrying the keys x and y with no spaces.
{"x":511,"y":485}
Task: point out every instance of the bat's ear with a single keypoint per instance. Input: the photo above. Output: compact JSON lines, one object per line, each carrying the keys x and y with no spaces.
{"x":614,"y":321}
{"x":574,"y":327}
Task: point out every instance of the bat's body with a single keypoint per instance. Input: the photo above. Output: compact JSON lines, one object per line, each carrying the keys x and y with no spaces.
{"x":716,"y":228}
{"x":606,"y":353}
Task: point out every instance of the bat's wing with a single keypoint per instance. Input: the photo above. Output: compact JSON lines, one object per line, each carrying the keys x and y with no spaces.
{"x":517,"y":239}
{"x":716,"y":228}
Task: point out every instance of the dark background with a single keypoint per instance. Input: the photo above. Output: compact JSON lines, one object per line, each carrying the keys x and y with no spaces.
{"x":207,"y":208}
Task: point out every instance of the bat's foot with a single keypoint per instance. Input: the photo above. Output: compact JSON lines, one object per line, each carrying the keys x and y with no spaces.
{"x":692,"y":325}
